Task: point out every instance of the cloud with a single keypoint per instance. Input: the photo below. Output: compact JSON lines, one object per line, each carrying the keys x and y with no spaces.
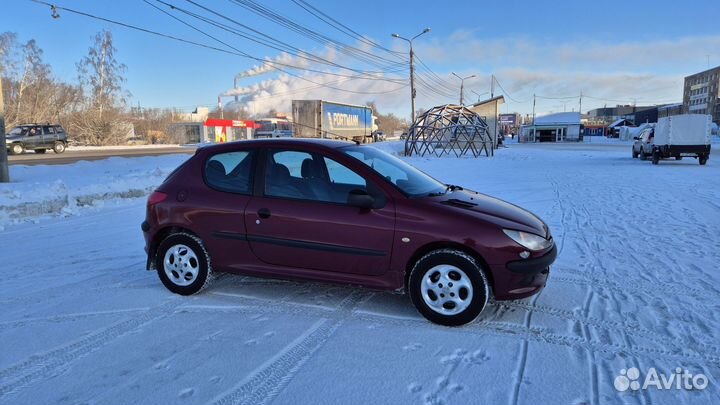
{"x":607,"y":73}
{"x":649,"y":55}
{"x":277,"y":93}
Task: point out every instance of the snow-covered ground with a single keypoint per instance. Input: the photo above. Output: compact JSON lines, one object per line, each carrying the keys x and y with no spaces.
{"x":636,"y":284}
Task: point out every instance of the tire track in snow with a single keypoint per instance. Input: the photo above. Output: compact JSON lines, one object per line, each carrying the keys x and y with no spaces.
{"x":57,"y":361}
{"x":633,"y":329}
{"x":522,"y":362}
{"x":268,"y":380}
{"x":481,"y":327}
{"x":67,"y":317}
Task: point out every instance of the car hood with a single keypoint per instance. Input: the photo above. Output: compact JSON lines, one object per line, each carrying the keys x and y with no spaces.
{"x":485,"y":206}
{"x":7,"y":136}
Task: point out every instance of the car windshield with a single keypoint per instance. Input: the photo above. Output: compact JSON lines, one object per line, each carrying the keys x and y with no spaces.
{"x":410,"y":180}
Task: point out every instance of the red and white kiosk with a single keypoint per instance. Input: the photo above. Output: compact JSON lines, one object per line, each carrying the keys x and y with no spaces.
{"x":219,"y":130}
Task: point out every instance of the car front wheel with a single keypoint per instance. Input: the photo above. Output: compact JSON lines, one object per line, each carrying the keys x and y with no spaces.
{"x":448,"y":287}
{"x":183,"y":264}
{"x":59,"y":147}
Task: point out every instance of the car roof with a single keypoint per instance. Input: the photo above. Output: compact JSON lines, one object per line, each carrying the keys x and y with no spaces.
{"x":276,"y":142}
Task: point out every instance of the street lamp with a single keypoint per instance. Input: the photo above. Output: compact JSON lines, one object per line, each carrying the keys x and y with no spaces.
{"x":412,"y":70}
{"x":479,"y":94}
{"x":462,"y":85}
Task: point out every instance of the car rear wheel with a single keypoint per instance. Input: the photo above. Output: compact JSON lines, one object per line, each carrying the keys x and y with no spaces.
{"x":183,"y":264}
{"x":642,"y":155}
{"x":634,"y":154}
{"x":678,"y":157}
{"x":59,"y":147}
{"x":16,"y":149}
{"x":703,"y":159}
{"x":655,"y":158}
{"x":448,"y":287}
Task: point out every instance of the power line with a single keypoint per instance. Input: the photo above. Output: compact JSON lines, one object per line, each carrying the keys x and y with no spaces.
{"x":236,"y":52}
{"x":344,"y":28}
{"x":281,"y":20}
{"x":508,"y":94}
{"x":258,"y":37}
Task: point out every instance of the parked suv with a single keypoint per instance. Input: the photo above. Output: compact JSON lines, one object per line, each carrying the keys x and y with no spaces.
{"x":37,"y":137}
{"x":339,"y":212}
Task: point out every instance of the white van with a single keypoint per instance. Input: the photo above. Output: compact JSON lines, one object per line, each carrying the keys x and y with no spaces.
{"x":273,"y":128}
{"x":676,"y":136}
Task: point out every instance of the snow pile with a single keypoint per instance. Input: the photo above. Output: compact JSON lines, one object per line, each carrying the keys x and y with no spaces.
{"x":396,"y":148}
{"x":37,"y":191}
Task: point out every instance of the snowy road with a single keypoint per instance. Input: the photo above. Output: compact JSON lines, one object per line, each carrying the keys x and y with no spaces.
{"x":636,"y":284}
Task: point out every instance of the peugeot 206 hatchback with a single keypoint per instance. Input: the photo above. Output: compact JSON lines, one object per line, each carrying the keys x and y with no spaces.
{"x":339,"y":212}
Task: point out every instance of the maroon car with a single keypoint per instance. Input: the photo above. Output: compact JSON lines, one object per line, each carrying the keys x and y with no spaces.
{"x":340,"y":212}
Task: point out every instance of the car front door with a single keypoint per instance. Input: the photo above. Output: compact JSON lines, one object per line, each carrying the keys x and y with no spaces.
{"x":48,"y":137}
{"x":302,"y":219}
{"x":33,"y":138}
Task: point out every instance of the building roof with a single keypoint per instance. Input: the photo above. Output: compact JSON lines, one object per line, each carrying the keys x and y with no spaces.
{"x":621,"y":121}
{"x":499,"y":99}
{"x":563,"y":118}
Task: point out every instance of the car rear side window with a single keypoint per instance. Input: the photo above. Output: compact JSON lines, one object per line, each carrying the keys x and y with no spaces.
{"x":230,"y":172}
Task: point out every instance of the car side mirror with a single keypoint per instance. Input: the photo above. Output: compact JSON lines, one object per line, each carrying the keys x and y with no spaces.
{"x":636,"y":138}
{"x":360,"y":199}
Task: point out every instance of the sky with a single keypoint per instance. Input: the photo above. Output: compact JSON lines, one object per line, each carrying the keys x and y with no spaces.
{"x":613,"y":52}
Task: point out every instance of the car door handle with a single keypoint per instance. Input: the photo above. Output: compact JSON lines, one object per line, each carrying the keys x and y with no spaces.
{"x":263,"y":213}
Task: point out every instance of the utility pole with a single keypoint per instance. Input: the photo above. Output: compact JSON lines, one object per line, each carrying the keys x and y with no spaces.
{"x":492,"y":86}
{"x":580,"y":109}
{"x":533,"y":117}
{"x":462,"y":86}
{"x":412,"y":70}
{"x":4,"y":172}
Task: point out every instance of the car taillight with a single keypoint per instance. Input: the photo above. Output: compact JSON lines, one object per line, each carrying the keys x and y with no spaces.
{"x":156,"y":197}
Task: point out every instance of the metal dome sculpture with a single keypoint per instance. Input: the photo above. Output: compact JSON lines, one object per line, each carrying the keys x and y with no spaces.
{"x":448,"y":129}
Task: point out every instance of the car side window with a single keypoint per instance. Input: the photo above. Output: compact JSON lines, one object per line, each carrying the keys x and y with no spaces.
{"x":342,"y":175}
{"x":230,"y":172}
{"x":49,"y":130}
{"x":304,"y":176}
{"x":286,"y":172}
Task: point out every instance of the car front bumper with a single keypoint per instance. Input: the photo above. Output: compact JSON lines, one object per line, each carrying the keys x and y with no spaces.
{"x":523,"y":278}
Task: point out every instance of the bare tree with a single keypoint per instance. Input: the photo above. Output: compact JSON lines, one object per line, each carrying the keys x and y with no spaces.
{"x":388,"y":123}
{"x":101,"y":76}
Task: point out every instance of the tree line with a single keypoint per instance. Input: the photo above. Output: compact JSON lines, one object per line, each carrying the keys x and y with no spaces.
{"x":92,"y":109}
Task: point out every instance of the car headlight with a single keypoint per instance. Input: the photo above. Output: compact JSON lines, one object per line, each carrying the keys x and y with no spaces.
{"x":528,"y":240}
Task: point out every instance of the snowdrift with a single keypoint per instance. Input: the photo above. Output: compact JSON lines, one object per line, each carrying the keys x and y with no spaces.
{"x":51,"y":190}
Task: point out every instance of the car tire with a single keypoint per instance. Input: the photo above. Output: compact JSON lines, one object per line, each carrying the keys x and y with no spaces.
{"x":634,"y":154}
{"x":17,"y":149}
{"x":438,"y":282}
{"x":655,"y":158}
{"x":678,"y":157}
{"x":40,"y":151}
{"x":642,"y":155}
{"x":183,"y":264}
{"x":702,"y":160}
{"x":59,"y":147}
